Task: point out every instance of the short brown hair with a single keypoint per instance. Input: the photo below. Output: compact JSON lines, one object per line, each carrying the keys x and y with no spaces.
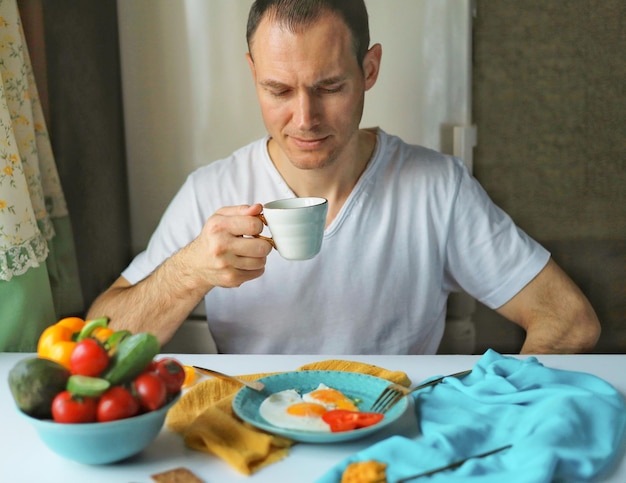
{"x":297,"y":14}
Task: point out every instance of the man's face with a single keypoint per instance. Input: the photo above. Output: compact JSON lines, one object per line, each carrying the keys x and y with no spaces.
{"x":310,"y":89}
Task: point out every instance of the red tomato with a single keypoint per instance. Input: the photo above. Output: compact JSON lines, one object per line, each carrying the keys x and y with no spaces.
{"x":152,"y":366}
{"x":88,"y":358}
{"x":344,"y":420}
{"x":150,"y":390}
{"x":117,"y":403}
{"x":73,"y":409}
{"x":172,"y":372}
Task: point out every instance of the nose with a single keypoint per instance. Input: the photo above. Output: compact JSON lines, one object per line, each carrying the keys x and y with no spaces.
{"x":306,"y":111}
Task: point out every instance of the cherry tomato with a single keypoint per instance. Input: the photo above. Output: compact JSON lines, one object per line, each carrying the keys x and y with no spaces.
{"x":150,"y":390}
{"x":152,"y":366}
{"x":172,"y":372}
{"x":73,"y":409}
{"x":344,"y":420}
{"x":88,"y":358}
{"x":116,"y":403}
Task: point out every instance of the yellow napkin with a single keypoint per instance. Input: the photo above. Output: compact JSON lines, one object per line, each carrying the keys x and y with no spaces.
{"x":205,"y":418}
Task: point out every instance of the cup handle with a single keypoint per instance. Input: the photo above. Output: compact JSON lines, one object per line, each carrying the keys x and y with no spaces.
{"x":267,"y":239}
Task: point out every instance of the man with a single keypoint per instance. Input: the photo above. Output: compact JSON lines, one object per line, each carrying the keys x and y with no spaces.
{"x":405,"y":227}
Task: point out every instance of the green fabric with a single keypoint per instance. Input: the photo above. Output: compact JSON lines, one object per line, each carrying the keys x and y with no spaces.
{"x":26,"y":309}
{"x":63,"y":270}
{"x":39,"y":298}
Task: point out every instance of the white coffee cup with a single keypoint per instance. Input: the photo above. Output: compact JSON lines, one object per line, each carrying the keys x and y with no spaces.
{"x":297,"y":226}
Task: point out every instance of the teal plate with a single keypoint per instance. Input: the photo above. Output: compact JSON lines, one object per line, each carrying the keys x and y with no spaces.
{"x":362,"y":388}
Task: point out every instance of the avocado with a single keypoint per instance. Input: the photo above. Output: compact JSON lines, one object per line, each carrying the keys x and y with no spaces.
{"x":34,"y":382}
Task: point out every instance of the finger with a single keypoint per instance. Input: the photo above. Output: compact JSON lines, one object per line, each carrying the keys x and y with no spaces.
{"x":240,"y":269}
{"x":224,"y":227}
{"x":252,"y":248}
{"x":238,"y":220}
{"x":241,"y":210}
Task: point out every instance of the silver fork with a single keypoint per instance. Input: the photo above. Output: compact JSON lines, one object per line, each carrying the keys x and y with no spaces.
{"x":256,"y":385}
{"x":394,"y":392}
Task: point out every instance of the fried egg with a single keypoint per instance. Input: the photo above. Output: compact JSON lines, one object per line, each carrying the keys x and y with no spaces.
{"x":289,"y":410}
{"x":329,"y":398}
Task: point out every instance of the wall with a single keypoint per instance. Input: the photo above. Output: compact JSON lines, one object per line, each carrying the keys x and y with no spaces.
{"x":550,"y":104}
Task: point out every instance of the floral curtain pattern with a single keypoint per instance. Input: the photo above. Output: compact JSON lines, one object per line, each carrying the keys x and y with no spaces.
{"x":32,"y":205}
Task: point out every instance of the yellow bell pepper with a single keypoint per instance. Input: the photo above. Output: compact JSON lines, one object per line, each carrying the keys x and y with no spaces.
{"x":102,"y":333}
{"x":57,"y":341}
{"x":74,"y":323}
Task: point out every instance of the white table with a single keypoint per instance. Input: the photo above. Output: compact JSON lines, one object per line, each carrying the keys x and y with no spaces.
{"x":25,"y":459}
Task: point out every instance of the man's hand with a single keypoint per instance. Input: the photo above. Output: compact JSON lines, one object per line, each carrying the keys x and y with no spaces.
{"x":225,"y":254}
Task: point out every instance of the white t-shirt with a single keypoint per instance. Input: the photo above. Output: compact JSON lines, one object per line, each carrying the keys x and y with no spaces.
{"x":416,"y":227}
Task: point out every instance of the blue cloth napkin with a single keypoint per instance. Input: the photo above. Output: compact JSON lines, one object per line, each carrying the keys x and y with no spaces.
{"x":562,"y":425}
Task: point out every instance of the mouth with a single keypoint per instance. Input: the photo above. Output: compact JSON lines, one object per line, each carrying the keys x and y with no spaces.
{"x":308,"y":144}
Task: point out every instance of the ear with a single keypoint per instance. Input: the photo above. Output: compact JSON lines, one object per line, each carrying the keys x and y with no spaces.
{"x":371,"y":65}
{"x":251,"y":64}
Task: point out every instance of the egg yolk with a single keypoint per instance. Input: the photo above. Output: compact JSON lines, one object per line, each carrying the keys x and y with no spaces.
{"x":306,"y":409}
{"x":333,"y":397}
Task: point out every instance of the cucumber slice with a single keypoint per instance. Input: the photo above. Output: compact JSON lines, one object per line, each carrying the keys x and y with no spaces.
{"x":87,"y":386}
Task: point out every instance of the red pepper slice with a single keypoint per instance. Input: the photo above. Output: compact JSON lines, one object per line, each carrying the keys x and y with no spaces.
{"x":345,"y":420}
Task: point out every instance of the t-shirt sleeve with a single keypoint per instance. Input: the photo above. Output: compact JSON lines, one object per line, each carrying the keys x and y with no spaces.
{"x":180,"y":224}
{"x":487,"y":254}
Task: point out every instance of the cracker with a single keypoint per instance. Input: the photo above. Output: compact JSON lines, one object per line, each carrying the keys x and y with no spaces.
{"x":176,"y":475}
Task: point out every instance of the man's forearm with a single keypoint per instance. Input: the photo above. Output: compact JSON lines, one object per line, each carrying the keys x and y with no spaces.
{"x":546,"y":340}
{"x":158,"y":304}
{"x":556,"y":315}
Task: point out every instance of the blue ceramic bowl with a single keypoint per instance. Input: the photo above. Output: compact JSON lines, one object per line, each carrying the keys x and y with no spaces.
{"x":101,"y":443}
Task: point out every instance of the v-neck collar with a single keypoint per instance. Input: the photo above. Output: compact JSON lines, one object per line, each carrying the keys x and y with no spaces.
{"x":356,"y":196}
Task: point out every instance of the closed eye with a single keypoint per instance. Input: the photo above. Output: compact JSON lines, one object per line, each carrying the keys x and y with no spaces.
{"x":331,"y":85}
{"x":276,"y":89}
{"x":280,"y":93}
{"x":330,"y":90}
